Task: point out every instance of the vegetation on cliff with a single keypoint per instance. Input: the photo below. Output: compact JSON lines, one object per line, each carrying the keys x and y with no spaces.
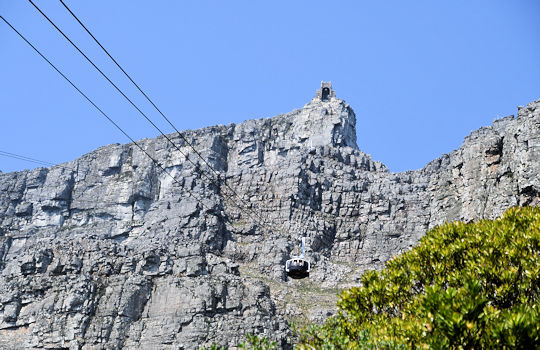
{"x":467,"y":285}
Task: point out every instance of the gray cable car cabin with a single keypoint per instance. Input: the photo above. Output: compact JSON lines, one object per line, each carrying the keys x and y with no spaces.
{"x":298,"y":267}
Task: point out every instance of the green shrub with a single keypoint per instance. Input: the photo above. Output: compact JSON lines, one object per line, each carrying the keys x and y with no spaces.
{"x":255,"y":342}
{"x":465,"y":286}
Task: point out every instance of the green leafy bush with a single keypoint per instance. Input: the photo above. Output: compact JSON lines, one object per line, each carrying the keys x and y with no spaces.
{"x":465,"y":286}
{"x":254,"y":342}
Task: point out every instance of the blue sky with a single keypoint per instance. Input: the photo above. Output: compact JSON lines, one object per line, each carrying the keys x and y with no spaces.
{"x":420,"y":75}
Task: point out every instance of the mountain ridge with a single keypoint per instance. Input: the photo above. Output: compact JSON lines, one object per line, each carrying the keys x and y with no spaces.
{"x":107,"y":251}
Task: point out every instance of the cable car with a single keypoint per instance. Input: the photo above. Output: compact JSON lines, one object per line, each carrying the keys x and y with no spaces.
{"x":298,"y":267}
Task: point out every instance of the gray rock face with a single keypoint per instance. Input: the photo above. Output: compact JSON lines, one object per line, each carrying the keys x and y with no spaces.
{"x":109,"y":251}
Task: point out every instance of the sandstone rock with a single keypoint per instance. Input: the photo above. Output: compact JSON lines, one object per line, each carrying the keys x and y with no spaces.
{"x":107,"y":251}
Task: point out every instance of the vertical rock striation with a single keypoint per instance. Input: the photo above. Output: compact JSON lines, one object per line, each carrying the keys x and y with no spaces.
{"x":108,"y":251}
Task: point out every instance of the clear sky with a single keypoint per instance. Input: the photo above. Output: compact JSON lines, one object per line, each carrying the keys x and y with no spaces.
{"x":420,"y":75}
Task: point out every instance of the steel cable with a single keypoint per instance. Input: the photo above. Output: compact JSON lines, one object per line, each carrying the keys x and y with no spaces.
{"x":257,"y":218}
{"x":106,"y":116}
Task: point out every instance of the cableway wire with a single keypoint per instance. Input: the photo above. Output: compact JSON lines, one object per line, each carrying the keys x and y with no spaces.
{"x":256,"y":217}
{"x":28,"y":159}
{"x":150,"y":100}
{"x":199,"y":199}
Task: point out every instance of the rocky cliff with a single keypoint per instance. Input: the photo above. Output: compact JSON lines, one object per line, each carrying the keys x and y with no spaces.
{"x":110,"y":251}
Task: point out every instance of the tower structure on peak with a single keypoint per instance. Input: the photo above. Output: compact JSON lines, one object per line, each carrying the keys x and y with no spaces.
{"x":325,"y":93}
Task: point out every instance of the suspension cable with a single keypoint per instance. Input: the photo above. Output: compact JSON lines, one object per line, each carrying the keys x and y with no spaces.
{"x":28,"y":159}
{"x":145,"y":95}
{"x":152,"y":103}
{"x":106,"y":116}
{"x":257,"y":218}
